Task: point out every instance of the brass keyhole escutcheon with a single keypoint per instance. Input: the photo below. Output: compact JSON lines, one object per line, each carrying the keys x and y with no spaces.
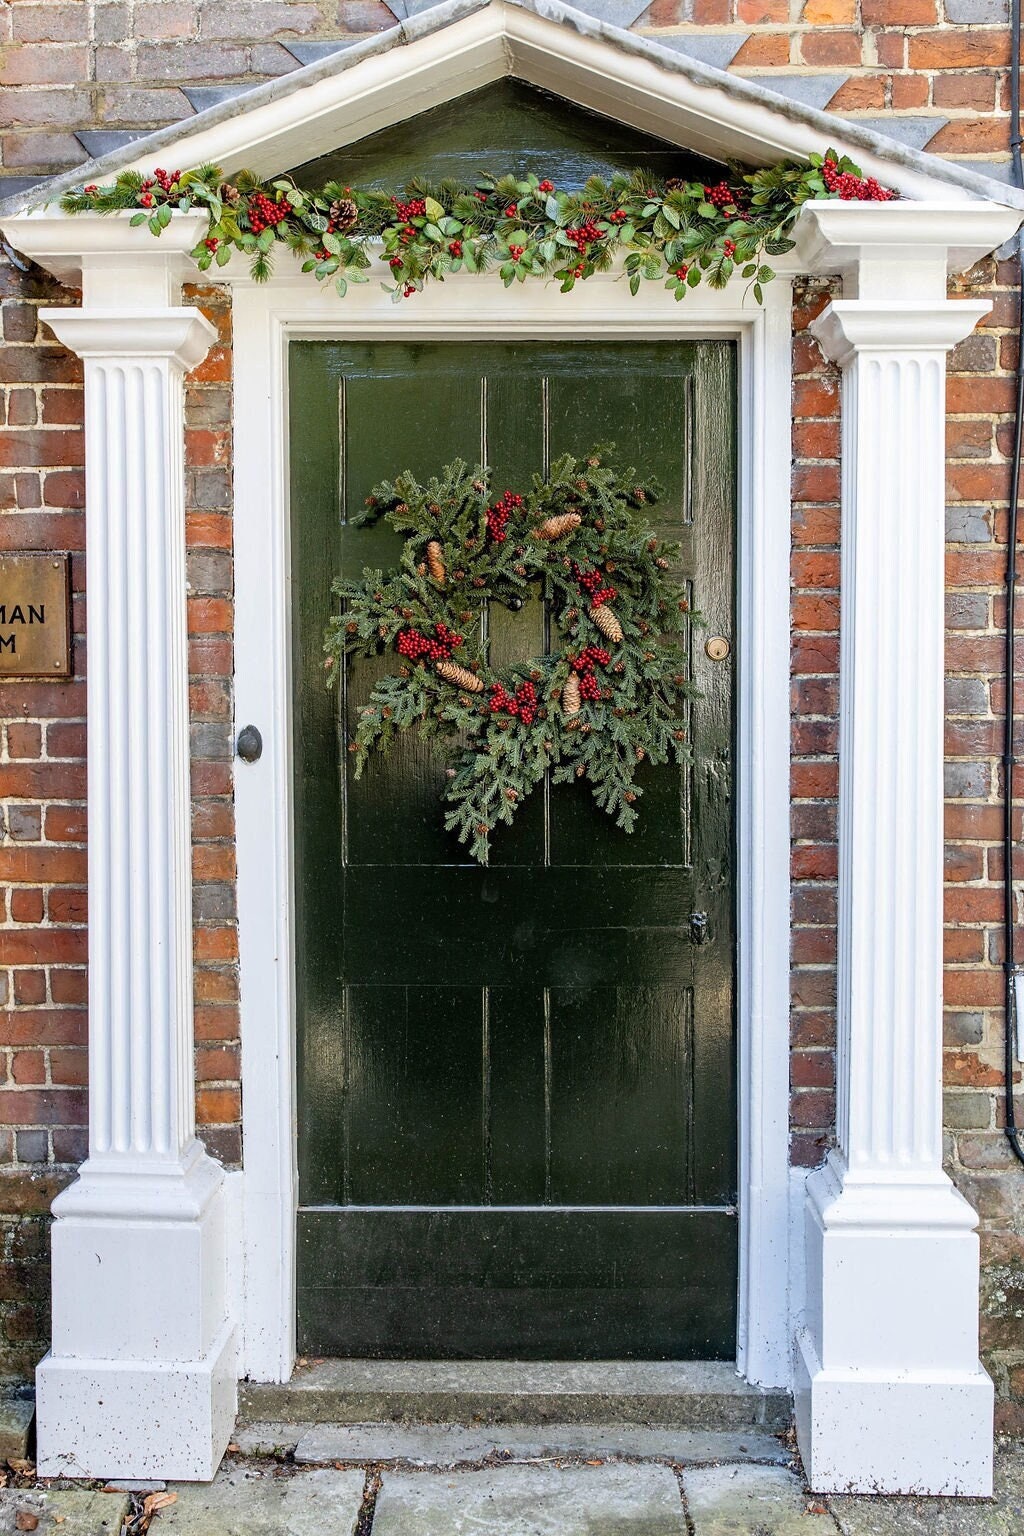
{"x":717,"y":647}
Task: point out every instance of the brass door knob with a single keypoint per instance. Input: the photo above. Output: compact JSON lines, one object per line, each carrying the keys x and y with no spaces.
{"x":717,"y":647}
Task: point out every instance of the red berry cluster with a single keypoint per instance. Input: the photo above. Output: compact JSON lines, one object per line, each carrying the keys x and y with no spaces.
{"x":455,"y":248}
{"x":411,"y":210}
{"x":211,"y":242}
{"x":165,"y":179}
{"x":515,"y":251}
{"x":264,"y":213}
{"x":499,"y":514}
{"x":720,"y":195}
{"x":854,"y":188}
{"x":545,"y":186}
{"x":587,"y":234}
{"x":618,"y":217}
{"x":512,"y":211}
{"x":590,"y":581}
{"x":395,"y":263}
{"x":523,"y":705}
{"x":681,"y":271}
{"x":729,"y":248}
{"x":414,"y":646}
{"x":409,"y":233}
{"x":590,"y":657}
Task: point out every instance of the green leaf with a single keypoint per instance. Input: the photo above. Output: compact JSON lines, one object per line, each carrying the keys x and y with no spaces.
{"x":435,"y":212}
{"x":138,"y":218}
{"x":342,"y":287}
{"x":163,"y":213}
{"x":758,"y":294}
{"x":627,"y":232}
{"x":223,"y":255}
{"x":433,"y":233}
{"x":634,"y":284}
{"x":707,"y":210}
{"x":671,"y":215}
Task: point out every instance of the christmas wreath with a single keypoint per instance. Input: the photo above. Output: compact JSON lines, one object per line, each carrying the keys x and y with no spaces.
{"x":610,"y":695}
{"x":678,"y":231}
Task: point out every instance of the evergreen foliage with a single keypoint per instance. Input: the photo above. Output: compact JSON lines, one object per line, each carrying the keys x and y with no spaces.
{"x":499,"y":742}
{"x":678,"y":232}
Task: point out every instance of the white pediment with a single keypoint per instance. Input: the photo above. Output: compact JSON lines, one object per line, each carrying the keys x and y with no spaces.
{"x":461,"y":45}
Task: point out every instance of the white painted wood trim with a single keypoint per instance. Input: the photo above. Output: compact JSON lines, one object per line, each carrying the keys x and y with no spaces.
{"x":264,"y":321}
{"x":890,"y":1394}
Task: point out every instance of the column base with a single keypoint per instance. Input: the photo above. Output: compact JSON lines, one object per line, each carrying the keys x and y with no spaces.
{"x":141,"y":1377}
{"x":138,"y":1419}
{"x":912,"y":1432}
{"x":890,"y":1394}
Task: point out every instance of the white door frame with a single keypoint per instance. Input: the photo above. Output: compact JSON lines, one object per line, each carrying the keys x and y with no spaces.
{"x":266,"y":318}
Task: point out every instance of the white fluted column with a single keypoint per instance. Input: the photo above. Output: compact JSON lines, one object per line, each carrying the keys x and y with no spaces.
{"x":891,"y":1396}
{"x":140,"y":1380}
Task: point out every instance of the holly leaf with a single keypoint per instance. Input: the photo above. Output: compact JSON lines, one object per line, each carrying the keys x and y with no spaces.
{"x":435,"y":212}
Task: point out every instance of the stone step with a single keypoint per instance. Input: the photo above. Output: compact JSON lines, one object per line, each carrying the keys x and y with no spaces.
{"x":699,"y":1395}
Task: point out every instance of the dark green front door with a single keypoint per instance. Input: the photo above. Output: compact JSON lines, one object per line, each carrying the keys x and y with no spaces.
{"x":517,"y":1127}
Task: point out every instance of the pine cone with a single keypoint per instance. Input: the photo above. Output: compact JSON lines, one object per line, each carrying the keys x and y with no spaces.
{"x":674,"y":183}
{"x":435,"y":560}
{"x":344,"y":214}
{"x":571,"y":696}
{"x":556,"y":527}
{"x":231,"y":194}
{"x":460,"y":676}
{"x":607,"y":622}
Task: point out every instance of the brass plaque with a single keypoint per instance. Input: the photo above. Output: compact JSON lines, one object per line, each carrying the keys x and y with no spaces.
{"x":35,"y":616}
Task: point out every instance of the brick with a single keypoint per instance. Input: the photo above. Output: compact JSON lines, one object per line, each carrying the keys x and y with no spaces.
{"x":899,"y":13}
{"x":49,"y":23}
{"x":42,"y":64}
{"x":168,"y":18}
{"x":191,"y":61}
{"x":761,"y":49}
{"x":832,"y":47}
{"x":976,"y":91}
{"x":909,"y":91}
{"x":977,"y":136}
{"x":234,"y":19}
{"x":959,"y":49}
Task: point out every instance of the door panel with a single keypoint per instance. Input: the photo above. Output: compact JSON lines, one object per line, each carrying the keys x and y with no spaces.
{"x":517,"y":1099}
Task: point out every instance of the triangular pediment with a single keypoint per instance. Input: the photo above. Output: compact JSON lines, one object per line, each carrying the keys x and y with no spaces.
{"x":458,"y":47}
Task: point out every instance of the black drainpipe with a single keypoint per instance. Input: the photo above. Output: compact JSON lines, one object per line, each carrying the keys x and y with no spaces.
{"x":1010,"y":966}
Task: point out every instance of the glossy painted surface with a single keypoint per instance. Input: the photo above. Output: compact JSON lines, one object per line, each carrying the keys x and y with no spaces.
{"x":505,"y":126}
{"x":517,"y":1096}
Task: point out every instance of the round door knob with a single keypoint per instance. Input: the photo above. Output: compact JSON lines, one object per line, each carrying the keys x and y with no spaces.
{"x":717,"y":647}
{"x":249,"y":744}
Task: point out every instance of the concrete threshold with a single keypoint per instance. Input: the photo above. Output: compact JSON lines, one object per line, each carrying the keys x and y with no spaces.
{"x":705,"y":1395}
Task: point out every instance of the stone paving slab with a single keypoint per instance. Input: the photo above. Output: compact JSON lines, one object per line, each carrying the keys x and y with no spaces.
{"x":742,"y":1500}
{"x":67,"y":1511}
{"x":449,"y":1444}
{"x":532,"y":1501}
{"x":246,"y":1501}
{"x":683,"y":1394}
{"x":17,"y":1406}
{"x":266,"y":1439}
{"x":920,"y":1517}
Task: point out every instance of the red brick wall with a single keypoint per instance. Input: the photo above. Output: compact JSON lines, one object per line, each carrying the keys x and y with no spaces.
{"x":121,"y":64}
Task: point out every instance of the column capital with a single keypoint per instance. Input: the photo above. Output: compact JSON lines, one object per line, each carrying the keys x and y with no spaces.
{"x":899,"y":249}
{"x":180,"y":334}
{"x":849,"y":326}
